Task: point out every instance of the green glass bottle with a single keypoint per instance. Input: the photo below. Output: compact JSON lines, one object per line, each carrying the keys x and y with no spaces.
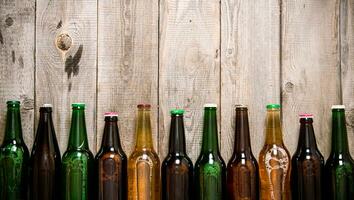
{"x":14,"y":157}
{"x":78,"y":162}
{"x":210,"y":169}
{"x":339,"y":168}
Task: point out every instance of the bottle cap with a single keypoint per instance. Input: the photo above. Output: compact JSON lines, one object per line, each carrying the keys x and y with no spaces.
{"x":338,"y":107}
{"x":111,"y":114}
{"x":305,"y":115}
{"x":144,"y":106}
{"x":13,"y":104}
{"x":177,"y":112}
{"x":78,"y":105}
{"x":47,"y":105}
{"x":210,"y":105}
{"x":273,"y":106}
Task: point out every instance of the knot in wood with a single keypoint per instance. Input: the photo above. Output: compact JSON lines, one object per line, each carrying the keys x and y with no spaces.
{"x":64,"y":42}
{"x":289,"y":87}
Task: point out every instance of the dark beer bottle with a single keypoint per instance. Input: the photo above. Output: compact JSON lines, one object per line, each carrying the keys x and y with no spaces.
{"x":242,"y":169}
{"x":210,"y":170}
{"x":14,"y":157}
{"x":307,"y":164}
{"x":45,"y":159}
{"x":274,"y":160}
{"x":339,"y":169}
{"x":177,"y":168}
{"x":111,"y":163}
{"x":78,"y":163}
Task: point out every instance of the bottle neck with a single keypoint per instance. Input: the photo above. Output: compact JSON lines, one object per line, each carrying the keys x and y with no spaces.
{"x":143,"y":130}
{"x":339,"y":133}
{"x":273,"y":127}
{"x":210,"y":132}
{"x":307,"y":138}
{"x":177,"y":143}
{"x":13,"y":131}
{"x":45,"y":131}
{"x":111,"y":135}
{"x":78,"y":134}
{"x":242,"y":135}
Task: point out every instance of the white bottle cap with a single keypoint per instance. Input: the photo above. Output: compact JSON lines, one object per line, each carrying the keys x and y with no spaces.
{"x":210,"y":105}
{"x":47,"y":105}
{"x":338,"y":107}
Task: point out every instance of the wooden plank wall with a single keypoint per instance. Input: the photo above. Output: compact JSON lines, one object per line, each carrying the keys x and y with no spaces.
{"x":113,"y":55}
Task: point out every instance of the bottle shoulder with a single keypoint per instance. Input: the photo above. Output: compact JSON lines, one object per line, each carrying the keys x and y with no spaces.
{"x":13,"y":148}
{"x":175,"y":160}
{"x":148,"y":155}
{"x":240,"y":161}
{"x":77,"y":154}
{"x":307,"y":154}
{"x":210,"y":158}
{"x":337,"y":160}
{"x":115,"y":154}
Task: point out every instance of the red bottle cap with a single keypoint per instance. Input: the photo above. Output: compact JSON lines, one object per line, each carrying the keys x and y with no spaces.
{"x":305,"y":115}
{"x":111,"y":114}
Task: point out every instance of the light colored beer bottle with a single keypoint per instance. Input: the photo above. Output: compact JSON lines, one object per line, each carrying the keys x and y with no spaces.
{"x":143,"y":163}
{"x":274,"y":160}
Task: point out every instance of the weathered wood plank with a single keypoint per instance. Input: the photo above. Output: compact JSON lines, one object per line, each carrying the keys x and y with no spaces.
{"x":189,"y":66}
{"x":128,"y":64}
{"x":17,"y":62}
{"x":347,"y":64}
{"x":250,"y":67}
{"x":66,"y":62}
{"x":310,"y":71}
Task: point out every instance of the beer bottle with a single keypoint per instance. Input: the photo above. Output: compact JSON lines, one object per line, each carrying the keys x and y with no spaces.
{"x":339,"y":168}
{"x":242,"y":169}
{"x":144,"y":163}
{"x":210,"y":170}
{"x":78,"y":162}
{"x":14,"y":157}
{"x":111,"y":162}
{"x":307,"y":164}
{"x":274,"y":160}
{"x":45,"y":159}
{"x":177,"y":168}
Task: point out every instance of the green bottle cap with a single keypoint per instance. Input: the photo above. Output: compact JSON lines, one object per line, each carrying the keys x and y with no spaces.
{"x":13,"y":103}
{"x":78,"y":106}
{"x":273,"y":106}
{"x":177,"y":112}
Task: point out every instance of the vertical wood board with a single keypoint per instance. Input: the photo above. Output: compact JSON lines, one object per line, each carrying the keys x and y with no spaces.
{"x":66,"y":62}
{"x":128,"y":64}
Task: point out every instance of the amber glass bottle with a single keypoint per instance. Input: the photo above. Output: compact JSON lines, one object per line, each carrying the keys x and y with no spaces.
{"x":242,"y":169}
{"x":307,"y":164}
{"x":143,"y":163}
{"x":45,"y":159}
{"x":177,"y":168}
{"x":111,"y":162}
{"x":274,"y":160}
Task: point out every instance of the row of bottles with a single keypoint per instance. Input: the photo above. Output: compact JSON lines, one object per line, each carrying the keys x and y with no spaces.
{"x":111,"y":176}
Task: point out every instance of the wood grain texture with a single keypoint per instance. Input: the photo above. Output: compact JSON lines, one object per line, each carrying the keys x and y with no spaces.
{"x":189,"y":66}
{"x":66,"y":62}
{"x":347,"y":64}
{"x":17,"y":62}
{"x":310,"y":71}
{"x":128,"y":64}
{"x":250,"y":68}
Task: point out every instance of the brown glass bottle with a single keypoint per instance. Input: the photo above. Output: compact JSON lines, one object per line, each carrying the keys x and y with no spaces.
{"x":45,"y":159}
{"x":242,"y":169}
{"x":177,"y":168}
{"x":143,"y":163}
{"x":111,"y":163}
{"x":307,"y":164}
{"x":274,"y":160}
